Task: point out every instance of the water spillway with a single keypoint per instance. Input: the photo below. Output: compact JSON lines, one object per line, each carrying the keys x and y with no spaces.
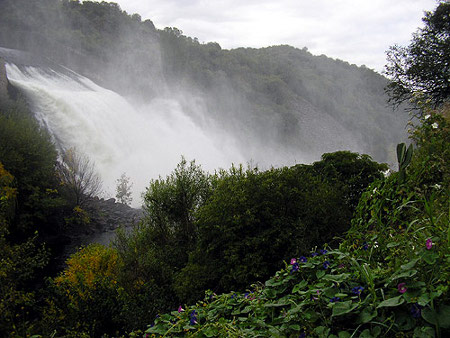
{"x":143,"y":140}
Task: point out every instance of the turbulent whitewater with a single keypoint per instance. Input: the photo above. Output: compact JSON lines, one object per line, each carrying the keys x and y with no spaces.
{"x":144,"y":141}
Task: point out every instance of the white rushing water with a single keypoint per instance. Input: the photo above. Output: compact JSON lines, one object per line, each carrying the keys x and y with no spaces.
{"x":143,"y":141}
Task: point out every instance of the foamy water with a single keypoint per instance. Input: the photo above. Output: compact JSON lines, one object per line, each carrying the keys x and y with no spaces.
{"x":143,"y":141}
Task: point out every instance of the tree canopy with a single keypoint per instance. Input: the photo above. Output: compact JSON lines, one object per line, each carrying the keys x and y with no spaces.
{"x":422,"y":69}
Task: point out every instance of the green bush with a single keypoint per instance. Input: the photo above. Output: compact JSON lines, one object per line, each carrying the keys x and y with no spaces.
{"x":86,"y":295}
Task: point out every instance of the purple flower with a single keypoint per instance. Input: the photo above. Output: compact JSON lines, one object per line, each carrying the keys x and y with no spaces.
{"x":341,"y":266}
{"x":323,"y":252}
{"x":180,"y":309}
{"x":193,"y":318}
{"x":293,"y":261}
{"x":429,"y":244}
{"x":295,"y":267}
{"x":303,"y":259}
{"x":402,"y":287}
{"x":314,"y":254}
{"x":302,"y":335}
{"x":357,"y":290}
{"x":365,"y":246}
{"x":335,"y":300}
{"x":416,"y":310}
{"x":311,"y":297}
{"x":326,"y":265}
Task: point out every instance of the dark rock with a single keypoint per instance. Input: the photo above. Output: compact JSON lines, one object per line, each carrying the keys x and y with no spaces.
{"x":105,"y":217}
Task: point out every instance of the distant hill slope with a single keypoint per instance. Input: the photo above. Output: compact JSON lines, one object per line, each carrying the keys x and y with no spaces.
{"x":280,"y":99}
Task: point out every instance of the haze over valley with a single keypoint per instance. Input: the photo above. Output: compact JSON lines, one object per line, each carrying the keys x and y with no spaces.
{"x":136,"y":99}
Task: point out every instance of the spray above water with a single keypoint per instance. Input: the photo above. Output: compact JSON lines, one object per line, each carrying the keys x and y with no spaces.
{"x":144,"y":141}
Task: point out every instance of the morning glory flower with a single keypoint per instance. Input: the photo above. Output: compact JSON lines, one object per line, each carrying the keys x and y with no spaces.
{"x":401,"y":287}
{"x":303,"y":259}
{"x":323,"y":252}
{"x":193,"y":319}
{"x":314,"y":254}
{"x":326,"y":265}
{"x":180,"y":309}
{"x":416,"y":310}
{"x":435,"y":125}
{"x":335,"y":300}
{"x":293,"y":261}
{"x":357,"y":290}
{"x":295,"y":267}
{"x":429,"y":244}
{"x":365,"y":246}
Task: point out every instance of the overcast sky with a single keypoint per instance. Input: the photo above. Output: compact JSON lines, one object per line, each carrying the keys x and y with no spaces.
{"x":357,"y":31}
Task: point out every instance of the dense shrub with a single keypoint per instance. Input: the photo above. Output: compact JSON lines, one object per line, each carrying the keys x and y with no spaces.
{"x":228,"y":230}
{"x":86,"y":295}
{"x":254,"y":220}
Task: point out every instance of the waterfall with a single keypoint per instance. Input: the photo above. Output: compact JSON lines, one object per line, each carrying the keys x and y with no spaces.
{"x":142,"y":140}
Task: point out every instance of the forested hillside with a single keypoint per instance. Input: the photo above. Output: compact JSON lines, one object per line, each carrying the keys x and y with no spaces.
{"x":280,"y":98}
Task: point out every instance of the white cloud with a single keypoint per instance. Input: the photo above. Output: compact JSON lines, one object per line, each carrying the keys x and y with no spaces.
{"x":355,"y":31}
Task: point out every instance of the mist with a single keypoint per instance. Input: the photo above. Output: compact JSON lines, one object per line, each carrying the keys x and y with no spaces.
{"x":135,"y":99}
{"x":144,"y":140}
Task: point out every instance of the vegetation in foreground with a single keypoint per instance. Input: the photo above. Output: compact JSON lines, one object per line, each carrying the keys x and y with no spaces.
{"x":388,"y":277}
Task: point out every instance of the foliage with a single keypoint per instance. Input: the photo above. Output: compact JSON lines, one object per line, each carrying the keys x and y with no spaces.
{"x":165,"y":237}
{"x":123,"y":190}
{"x":214,"y":231}
{"x":77,"y":218}
{"x":351,"y":171}
{"x":422,"y":68}
{"x":404,"y":158}
{"x":27,"y":152}
{"x":86,"y":294}
{"x":78,"y":177}
{"x":19,"y":265}
{"x":170,"y":205}
{"x":253,"y":221}
{"x":389,"y":276}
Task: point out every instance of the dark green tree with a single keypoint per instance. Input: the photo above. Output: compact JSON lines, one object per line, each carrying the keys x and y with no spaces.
{"x":27,"y":152}
{"x":422,"y":69}
{"x":352,"y":172}
{"x":255,"y":220}
{"x":159,"y":247}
